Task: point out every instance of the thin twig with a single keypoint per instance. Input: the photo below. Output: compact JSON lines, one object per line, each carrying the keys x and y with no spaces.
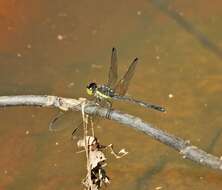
{"x":184,"y":147}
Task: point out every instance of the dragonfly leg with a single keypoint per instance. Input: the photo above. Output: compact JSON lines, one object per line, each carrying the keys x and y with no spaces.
{"x":98,"y":101}
{"x":109,"y":103}
{"x":105,"y":103}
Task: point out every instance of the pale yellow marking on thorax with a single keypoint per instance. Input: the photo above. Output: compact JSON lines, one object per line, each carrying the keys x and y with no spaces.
{"x":101,"y":95}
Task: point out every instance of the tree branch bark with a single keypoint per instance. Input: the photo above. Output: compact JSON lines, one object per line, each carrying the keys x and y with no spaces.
{"x":184,"y":147}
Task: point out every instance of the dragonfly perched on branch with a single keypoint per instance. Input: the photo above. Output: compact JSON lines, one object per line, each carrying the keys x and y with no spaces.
{"x":113,"y":90}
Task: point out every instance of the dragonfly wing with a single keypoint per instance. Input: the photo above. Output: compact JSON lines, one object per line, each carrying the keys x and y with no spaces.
{"x":78,"y":132}
{"x":64,"y":120}
{"x":113,"y":73}
{"x":122,"y":86}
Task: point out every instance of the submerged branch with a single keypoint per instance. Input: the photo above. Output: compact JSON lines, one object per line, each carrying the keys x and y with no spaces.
{"x":184,"y":147}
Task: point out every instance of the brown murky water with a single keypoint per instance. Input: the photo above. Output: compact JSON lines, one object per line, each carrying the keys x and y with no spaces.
{"x":58,"y":47}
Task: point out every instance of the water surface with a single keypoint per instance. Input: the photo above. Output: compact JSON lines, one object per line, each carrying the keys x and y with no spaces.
{"x":58,"y":47}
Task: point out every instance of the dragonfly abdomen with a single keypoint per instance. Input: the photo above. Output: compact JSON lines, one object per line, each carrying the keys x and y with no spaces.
{"x":139,"y":102}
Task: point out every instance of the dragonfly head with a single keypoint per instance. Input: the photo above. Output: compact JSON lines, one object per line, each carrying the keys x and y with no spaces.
{"x":91,"y":88}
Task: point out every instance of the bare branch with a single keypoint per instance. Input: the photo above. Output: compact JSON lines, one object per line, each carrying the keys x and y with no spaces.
{"x":184,"y":147}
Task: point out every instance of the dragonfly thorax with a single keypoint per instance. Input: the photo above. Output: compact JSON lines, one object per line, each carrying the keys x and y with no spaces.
{"x":104,"y":92}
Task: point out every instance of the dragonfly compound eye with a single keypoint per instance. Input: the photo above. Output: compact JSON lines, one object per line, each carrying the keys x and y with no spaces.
{"x":91,"y":88}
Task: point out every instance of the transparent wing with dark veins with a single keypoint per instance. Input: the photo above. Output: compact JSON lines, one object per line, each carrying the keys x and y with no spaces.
{"x":113,"y":73}
{"x":122,"y":86}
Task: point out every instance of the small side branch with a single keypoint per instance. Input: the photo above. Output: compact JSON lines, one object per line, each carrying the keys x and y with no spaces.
{"x":184,"y":147}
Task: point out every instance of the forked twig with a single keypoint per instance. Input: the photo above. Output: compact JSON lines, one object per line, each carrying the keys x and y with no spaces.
{"x":184,"y":147}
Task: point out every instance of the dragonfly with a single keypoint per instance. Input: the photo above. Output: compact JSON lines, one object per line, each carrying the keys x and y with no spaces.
{"x":114,"y":90}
